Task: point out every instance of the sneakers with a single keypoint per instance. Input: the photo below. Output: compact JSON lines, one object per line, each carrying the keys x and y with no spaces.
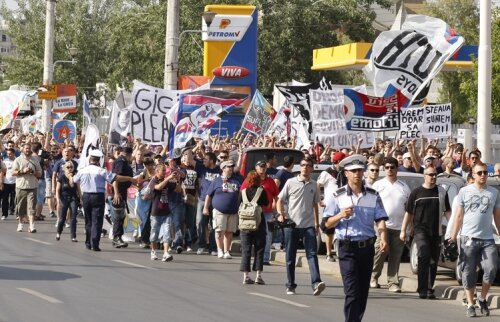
{"x":259,"y":280}
{"x":167,"y":257}
{"x":153,"y":255}
{"x":67,"y":225}
{"x":189,"y":250}
{"x":119,"y":243}
{"x":20,"y":227}
{"x":374,"y":283}
{"x":247,"y":280}
{"x":200,"y":251}
{"x":471,"y":311}
{"x":227,"y":255}
{"x":290,"y":291}
{"x":52,"y":214}
{"x":3,"y":218}
{"x":179,"y":249}
{"x":220,"y":253}
{"x":394,"y":288}
{"x":32,"y":229}
{"x":214,"y":253}
{"x":74,"y":240}
{"x":483,"y":305}
{"x":330,"y":258}
{"x":318,"y":288}
{"x":58,"y":236}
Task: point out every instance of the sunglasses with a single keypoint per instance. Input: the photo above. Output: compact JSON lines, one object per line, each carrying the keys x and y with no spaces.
{"x":431,"y":174}
{"x":374,"y":170}
{"x":482,"y":173}
{"x":387,"y":167}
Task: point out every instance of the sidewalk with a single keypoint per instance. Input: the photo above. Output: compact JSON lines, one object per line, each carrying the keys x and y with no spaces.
{"x":445,"y":286}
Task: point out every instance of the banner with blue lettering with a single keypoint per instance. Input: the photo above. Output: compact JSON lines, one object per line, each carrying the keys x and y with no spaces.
{"x":371,"y":113}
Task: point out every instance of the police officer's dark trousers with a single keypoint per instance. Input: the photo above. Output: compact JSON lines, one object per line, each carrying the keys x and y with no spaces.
{"x":356,"y":267}
{"x":93,"y":206}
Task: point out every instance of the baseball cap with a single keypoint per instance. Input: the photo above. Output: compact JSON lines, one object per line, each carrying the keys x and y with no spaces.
{"x":338,"y":156}
{"x":260,"y":163}
{"x":228,"y":163}
{"x":429,"y":157}
{"x":407,"y":155}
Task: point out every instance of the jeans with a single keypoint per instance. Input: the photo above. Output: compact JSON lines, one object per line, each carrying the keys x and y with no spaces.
{"x":292,"y":236}
{"x":143,"y":210}
{"x":190,"y":219}
{"x":474,"y":251}
{"x":160,"y":227}
{"x":177,"y":211}
{"x":202,"y":223}
{"x":118,"y":215}
{"x":396,"y":247}
{"x":8,"y":199}
{"x":428,"y":248}
{"x":257,"y":239}
{"x":268,"y":216}
{"x":67,"y":203}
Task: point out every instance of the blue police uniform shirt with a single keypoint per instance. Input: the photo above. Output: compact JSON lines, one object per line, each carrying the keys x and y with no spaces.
{"x":368,"y":208}
{"x":92,"y":179}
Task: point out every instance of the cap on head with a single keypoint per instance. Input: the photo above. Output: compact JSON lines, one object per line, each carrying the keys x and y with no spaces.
{"x":429,"y":157}
{"x":353,"y":162}
{"x":229,"y":163}
{"x":338,"y":156}
{"x":260,"y":163}
{"x":407,"y":155}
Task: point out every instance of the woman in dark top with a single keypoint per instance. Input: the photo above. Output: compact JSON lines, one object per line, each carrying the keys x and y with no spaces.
{"x":256,"y":238}
{"x":68,"y":196}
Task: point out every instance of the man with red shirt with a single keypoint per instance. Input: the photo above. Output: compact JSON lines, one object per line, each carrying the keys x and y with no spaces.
{"x":272,"y":194}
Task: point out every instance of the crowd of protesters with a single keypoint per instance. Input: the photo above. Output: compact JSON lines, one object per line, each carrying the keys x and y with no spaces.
{"x":189,"y":197}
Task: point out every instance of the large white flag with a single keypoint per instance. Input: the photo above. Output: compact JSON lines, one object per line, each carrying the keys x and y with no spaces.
{"x":10,"y":103}
{"x":119,"y":125}
{"x":92,"y":142}
{"x":408,"y":59}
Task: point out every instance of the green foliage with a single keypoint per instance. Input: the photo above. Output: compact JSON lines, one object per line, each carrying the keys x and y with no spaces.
{"x":460,"y":88}
{"x":120,"y":40}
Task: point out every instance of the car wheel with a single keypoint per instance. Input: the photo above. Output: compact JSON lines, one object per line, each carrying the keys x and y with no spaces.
{"x":414,"y":258}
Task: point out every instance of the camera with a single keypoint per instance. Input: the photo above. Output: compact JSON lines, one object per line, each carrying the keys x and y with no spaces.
{"x":287,"y":223}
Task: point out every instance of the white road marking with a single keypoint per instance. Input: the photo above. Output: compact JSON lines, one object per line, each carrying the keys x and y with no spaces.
{"x":279,"y":299}
{"x":38,"y":241}
{"x":135,"y":265}
{"x":40,"y":295}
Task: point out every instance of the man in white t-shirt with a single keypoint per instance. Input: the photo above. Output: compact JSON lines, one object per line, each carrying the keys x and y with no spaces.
{"x":394,"y":194}
{"x":9,"y":185}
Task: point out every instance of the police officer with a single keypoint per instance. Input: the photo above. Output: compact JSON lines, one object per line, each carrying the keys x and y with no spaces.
{"x":353,"y":211}
{"x":92,"y":180}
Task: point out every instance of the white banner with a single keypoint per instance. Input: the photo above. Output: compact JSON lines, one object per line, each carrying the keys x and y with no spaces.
{"x":408,"y":59}
{"x":412,"y":119}
{"x":119,"y":125}
{"x":437,"y":121}
{"x":149,"y":107}
{"x":327,"y":116}
{"x":92,"y":142}
{"x":11,"y":101}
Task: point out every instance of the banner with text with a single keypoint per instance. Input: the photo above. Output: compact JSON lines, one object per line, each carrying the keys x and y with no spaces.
{"x":412,"y":119}
{"x":371,"y":113}
{"x":149,"y":107}
{"x":328,"y":118}
{"x":259,"y":115}
{"x":437,"y":121}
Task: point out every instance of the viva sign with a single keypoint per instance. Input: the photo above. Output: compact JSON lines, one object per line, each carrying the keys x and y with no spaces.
{"x":231,"y":72}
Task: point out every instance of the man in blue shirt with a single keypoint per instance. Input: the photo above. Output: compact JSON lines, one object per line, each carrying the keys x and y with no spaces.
{"x":222,"y":195}
{"x":353,"y":211}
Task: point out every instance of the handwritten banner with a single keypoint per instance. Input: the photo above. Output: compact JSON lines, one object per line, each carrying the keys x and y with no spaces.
{"x":412,"y":119}
{"x":437,"y":121}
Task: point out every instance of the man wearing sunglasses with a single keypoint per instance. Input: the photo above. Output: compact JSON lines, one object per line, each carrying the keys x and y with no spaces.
{"x":353,"y":211}
{"x":424,"y":211}
{"x":394,"y":194}
{"x":372,"y":174}
{"x":479,"y":204}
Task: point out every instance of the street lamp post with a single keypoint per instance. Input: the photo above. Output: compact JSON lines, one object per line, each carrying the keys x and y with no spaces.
{"x":172,"y":42}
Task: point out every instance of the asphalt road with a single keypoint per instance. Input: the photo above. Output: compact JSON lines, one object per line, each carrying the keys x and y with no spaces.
{"x":42,"y":279}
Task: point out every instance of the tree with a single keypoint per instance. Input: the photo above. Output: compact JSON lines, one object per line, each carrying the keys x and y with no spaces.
{"x":460,"y":88}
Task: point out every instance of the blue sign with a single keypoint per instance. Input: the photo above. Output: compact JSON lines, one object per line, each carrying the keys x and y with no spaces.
{"x":64,"y":129}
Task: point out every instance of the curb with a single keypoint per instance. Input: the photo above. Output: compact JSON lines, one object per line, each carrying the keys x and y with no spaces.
{"x":408,"y":284}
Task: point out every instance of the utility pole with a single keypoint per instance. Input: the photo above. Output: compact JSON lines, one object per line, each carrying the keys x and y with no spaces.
{"x":484,"y":82}
{"x":172,"y":45}
{"x":48,"y":63}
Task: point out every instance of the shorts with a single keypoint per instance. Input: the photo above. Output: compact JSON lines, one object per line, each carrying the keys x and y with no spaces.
{"x":225,"y":222}
{"x":40,"y":192}
{"x":48,"y":188}
{"x":475,"y":251}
